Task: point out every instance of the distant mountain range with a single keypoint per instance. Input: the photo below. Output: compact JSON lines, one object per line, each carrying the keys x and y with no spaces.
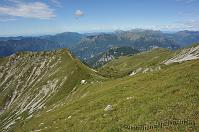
{"x":66,"y":40}
{"x":138,"y":39}
{"x":11,"y":38}
{"x":185,"y":38}
{"x":85,"y":46}
{"x":10,"y":45}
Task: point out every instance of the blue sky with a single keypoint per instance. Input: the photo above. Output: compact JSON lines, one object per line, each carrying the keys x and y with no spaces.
{"x":37,"y":17}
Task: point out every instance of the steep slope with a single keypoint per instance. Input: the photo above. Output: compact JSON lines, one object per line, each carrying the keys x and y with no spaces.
{"x":166,"y":100}
{"x":31,"y":82}
{"x":185,"y":55}
{"x":52,"y":91}
{"x":131,"y":65}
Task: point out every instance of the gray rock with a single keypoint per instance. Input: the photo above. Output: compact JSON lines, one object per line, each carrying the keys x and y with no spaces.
{"x":108,"y":108}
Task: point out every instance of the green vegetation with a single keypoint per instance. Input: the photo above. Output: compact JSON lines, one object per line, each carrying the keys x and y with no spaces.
{"x":156,"y":97}
{"x":170,"y":93}
{"x":126,"y":64}
{"x":33,"y":81}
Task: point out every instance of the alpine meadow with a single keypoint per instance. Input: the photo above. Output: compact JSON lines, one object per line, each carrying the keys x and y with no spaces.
{"x":99,"y":66}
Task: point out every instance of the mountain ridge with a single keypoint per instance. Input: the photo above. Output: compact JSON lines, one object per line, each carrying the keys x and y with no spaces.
{"x":73,"y":97}
{"x":32,"y":81}
{"x":84,"y":46}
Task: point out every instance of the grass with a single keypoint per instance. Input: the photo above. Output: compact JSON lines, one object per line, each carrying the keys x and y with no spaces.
{"x":68,"y":67}
{"x":125,"y":65}
{"x":144,"y":99}
{"x":167,"y":95}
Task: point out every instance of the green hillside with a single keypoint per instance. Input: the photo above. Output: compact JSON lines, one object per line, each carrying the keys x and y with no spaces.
{"x":171,"y":94}
{"x":145,"y":61}
{"x":30,"y":82}
{"x":148,"y":100}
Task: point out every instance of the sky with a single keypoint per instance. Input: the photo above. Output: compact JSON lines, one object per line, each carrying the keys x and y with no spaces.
{"x":39,"y":17}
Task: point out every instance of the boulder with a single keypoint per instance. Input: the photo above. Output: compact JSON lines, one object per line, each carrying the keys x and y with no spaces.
{"x":83,"y":82}
{"x":108,"y":108}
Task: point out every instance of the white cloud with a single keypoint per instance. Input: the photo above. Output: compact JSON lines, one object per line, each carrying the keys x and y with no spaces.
{"x":193,"y":24}
{"x":36,"y":10}
{"x":181,"y":25}
{"x":79,"y":13}
{"x":57,"y":3}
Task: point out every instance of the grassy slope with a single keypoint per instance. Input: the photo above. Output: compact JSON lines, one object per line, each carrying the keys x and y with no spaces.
{"x":125,"y":65}
{"x":171,"y":93}
{"x":68,"y":66}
